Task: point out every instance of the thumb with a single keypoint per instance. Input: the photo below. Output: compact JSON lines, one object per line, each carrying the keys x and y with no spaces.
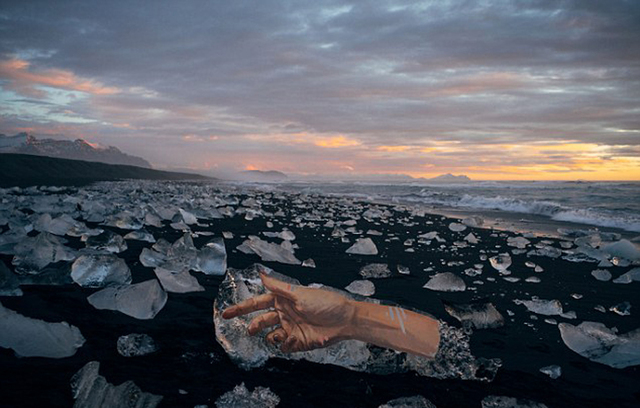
{"x":279,"y":287}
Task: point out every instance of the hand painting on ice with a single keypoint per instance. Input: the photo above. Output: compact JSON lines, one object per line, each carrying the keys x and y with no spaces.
{"x":311,"y":318}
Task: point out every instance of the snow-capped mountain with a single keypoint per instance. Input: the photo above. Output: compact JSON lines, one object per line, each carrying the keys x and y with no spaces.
{"x":78,"y":149}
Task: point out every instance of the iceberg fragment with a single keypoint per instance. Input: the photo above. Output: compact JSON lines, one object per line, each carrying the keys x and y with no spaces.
{"x":107,"y":241}
{"x":553,"y":371}
{"x":375,"y":270}
{"x":601,"y":275}
{"x":622,"y":249}
{"x":455,"y":227}
{"x":363,"y":246}
{"x":541,"y":306}
{"x":97,"y":271}
{"x":136,"y":345}
{"x":493,"y":401}
{"x":178,"y":282}
{"x":628,"y":277}
{"x":141,"y":300}
{"x":212,"y":258}
{"x":33,"y":254}
{"x":417,"y":401}
{"x":500,"y":262}
{"x":446,"y":282}
{"x":268,"y":251}
{"x":240,"y":397}
{"x":476,"y":315}
{"x":361,"y":287}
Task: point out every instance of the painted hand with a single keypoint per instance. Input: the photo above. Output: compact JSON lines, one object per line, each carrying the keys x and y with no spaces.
{"x":309,"y":318}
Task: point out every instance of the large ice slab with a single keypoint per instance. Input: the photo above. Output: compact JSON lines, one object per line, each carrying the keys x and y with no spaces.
{"x":623,"y":249}
{"x":446,"y":282}
{"x":178,"y":282}
{"x":541,"y":306}
{"x":268,"y":252}
{"x":454,"y":359}
{"x":29,"y":337}
{"x":476,"y":315}
{"x":363,"y":246}
{"x":141,"y":300}
{"x":97,"y":271}
{"x":240,"y":397}
{"x":212,"y":258}
{"x":91,"y":390}
{"x":361,"y":287}
{"x":598,"y":343}
{"x":33,"y":254}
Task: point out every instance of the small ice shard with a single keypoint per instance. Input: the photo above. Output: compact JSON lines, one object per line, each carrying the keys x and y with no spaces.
{"x":623,"y":309}
{"x":541,"y":306}
{"x":532,"y":279}
{"x":552,"y":371}
{"x":600,"y":344}
{"x":29,"y":337}
{"x":182,"y":254}
{"x":375,"y":270}
{"x":511,"y":279}
{"x":518,"y":242}
{"x":268,"y":251}
{"x":33,"y":254}
{"x":136,"y":345}
{"x":91,"y":390}
{"x":107,"y":241}
{"x":227,"y":235}
{"x":470,"y":238}
{"x":548,"y":251}
{"x":500,"y":262}
{"x":446,"y":282}
{"x":600,"y":308}
{"x":363,"y":246}
{"x":362,"y":287}
{"x":494,"y":401}
{"x":178,"y":282}
{"x":309,"y":263}
{"x":628,"y":277}
{"x":212,"y":258}
{"x":417,"y":401}
{"x":538,"y":269}
{"x":473,"y":221}
{"x":455,"y":227}
{"x":404,"y":270}
{"x":151,"y":258}
{"x":622,"y":249}
{"x":140,"y":235}
{"x":9,"y":285}
{"x":476,"y":315}
{"x":97,"y":271}
{"x":601,"y":275}
{"x":153,"y":220}
{"x":123,"y":220}
{"x":141,"y":300}
{"x":240,"y":397}
{"x":187,"y":217}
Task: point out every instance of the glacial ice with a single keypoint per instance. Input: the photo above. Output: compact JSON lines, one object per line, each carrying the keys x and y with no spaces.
{"x":598,"y":343}
{"x":123,"y":220}
{"x":623,"y":309}
{"x":446,"y":282}
{"x":136,"y":345}
{"x":403,"y":270}
{"x":29,"y":337}
{"x":57,"y":226}
{"x":541,"y":306}
{"x":456,"y":227}
{"x":33,"y":254}
{"x":476,"y":315}
{"x":601,"y":275}
{"x":375,"y":270}
{"x":518,"y":242}
{"x":470,"y":238}
{"x":141,"y":300}
{"x":500,"y":262}
{"x":454,"y":360}
{"x":494,"y":401}
{"x":178,"y":282}
{"x":97,"y":271}
{"x":91,"y":390}
{"x":417,"y":401}
{"x":140,"y":235}
{"x":309,"y":263}
{"x":9,"y":285}
{"x":361,"y":287}
{"x":631,"y":276}
{"x":151,"y":258}
{"x":553,"y":371}
{"x":240,"y":397}
{"x":623,"y":249}
{"x":212,"y":258}
{"x":107,"y":241}
{"x":363,"y":246}
{"x":268,"y":251}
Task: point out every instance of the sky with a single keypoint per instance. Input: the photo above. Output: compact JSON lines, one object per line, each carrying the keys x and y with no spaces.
{"x":542,"y":90}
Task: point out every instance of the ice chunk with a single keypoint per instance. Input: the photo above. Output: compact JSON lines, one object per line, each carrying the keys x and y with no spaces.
{"x":33,"y":254}
{"x":623,"y":309}
{"x":141,"y":300}
{"x":187,"y":217}
{"x":212,"y":258}
{"x":309,"y":263}
{"x":548,"y":251}
{"x":518,"y":242}
{"x":140,"y":235}
{"x":107,"y":241}
{"x":454,"y":359}
{"x":123,"y":220}
{"x":268,"y":251}
{"x":628,"y":277}
{"x":362,"y":287}
{"x":29,"y":337}
{"x":178,"y":282}
{"x":541,"y":306}
{"x":601,"y":275}
{"x":552,"y":371}
{"x":151,"y":258}
{"x":446,"y":282}
{"x":623,"y":249}
{"x":363,"y":246}
{"x":182,"y":254}
{"x":476,"y":315}
{"x":500,"y":262}
{"x":455,"y":227}
{"x":135,"y":345}
{"x":473,"y":221}
{"x":91,"y":390}
{"x":57,"y":226}
{"x":493,"y":401}
{"x":240,"y":397}
{"x":417,"y":401}
{"x":9,"y":285}
{"x":285,"y":235}
{"x":375,"y":270}
{"x":97,"y":271}
{"x":470,"y":238}
{"x":404,"y":270}
{"x":600,"y":344}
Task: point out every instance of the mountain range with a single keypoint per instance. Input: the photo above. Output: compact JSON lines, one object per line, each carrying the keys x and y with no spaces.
{"x":78,"y":149}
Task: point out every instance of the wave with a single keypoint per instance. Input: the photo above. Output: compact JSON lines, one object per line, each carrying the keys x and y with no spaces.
{"x":591,"y":217}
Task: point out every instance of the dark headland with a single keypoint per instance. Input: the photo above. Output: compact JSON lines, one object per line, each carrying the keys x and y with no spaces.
{"x":24,"y":170}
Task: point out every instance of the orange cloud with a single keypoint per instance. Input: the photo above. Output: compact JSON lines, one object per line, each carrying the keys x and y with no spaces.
{"x":336,"y":142}
{"x":393,"y":149}
{"x":23,"y":80}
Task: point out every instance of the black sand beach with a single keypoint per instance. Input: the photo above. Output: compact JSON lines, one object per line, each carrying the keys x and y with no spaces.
{"x":191,"y":368}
